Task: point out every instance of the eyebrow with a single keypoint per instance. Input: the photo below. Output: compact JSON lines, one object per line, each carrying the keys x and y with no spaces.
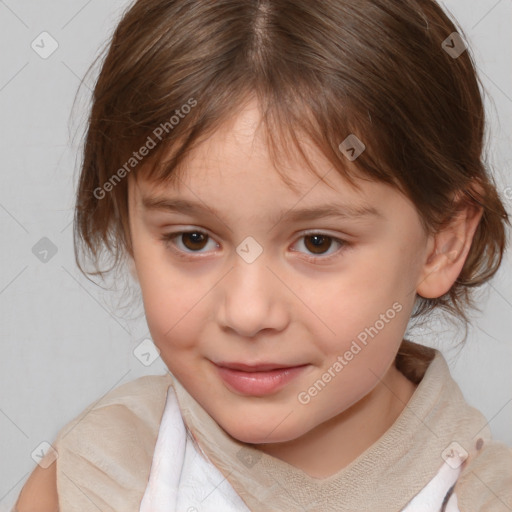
{"x":293,"y":215}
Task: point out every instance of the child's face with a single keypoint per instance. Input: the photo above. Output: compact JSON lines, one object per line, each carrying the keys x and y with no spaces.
{"x":207,"y":303}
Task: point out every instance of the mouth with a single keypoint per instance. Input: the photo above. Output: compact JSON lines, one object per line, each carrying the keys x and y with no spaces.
{"x":257,"y":379}
{"x":259,"y":367}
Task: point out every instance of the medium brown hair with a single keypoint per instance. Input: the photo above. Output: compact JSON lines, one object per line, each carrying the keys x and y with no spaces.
{"x":322,"y":69}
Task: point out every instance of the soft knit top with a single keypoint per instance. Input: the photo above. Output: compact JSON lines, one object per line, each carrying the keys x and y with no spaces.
{"x":105,"y":454}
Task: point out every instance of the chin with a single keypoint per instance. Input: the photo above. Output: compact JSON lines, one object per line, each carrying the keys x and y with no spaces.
{"x":263,"y":433}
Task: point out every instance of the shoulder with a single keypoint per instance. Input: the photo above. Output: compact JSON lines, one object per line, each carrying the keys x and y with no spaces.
{"x":39,"y":492}
{"x":141,"y":399}
{"x":485,"y":482}
{"x":113,"y":439}
{"x":138,"y":404}
{"x":106,"y":450}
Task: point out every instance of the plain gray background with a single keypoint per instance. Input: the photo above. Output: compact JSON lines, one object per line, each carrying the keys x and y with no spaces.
{"x":63,"y":342}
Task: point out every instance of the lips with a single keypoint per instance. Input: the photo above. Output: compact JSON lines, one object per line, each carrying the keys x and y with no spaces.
{"x":261,"y":367}
{"x":257,"y":379}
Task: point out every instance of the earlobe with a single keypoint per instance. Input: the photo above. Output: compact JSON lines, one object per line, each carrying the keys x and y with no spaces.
{"x":446,"y":252}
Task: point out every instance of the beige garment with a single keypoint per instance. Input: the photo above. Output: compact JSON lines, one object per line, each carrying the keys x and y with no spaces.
{"x":105,"y":454}
{"x":391,"y":471}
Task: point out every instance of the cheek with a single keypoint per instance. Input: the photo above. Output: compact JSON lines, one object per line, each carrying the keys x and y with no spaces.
{"x":367,"y":293}
{"x":331,"y":392}
{"x":172,"y":313}
{"x":356,"y":360}
{"x":366,"y":313}
{"x":365,"y":340}
{"x":171,"y":298}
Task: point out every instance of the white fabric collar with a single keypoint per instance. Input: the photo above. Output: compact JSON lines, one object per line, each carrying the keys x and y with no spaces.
{"x":182,"y":479}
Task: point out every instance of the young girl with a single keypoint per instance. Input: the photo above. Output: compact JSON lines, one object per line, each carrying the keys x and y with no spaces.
{"x":290,"y":182}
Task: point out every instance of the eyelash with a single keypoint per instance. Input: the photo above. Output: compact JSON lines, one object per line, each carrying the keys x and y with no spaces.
{"x":168,"y":238}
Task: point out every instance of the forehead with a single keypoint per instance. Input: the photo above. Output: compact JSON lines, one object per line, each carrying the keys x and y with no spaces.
{"x":234,"y":169}
{"x":240,"y":149}
{"x":238,"y":180}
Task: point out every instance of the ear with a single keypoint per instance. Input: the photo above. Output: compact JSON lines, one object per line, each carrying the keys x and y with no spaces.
{"x":447,"y":251}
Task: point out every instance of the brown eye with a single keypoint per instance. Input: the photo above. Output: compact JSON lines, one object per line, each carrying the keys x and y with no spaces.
{"x":318,"y":247}
{"x":194,"y":240}
{"x":186,"y":243}
{"x":317,"y":244}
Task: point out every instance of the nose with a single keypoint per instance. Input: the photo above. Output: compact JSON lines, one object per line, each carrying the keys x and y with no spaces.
{"x":253,"y":299}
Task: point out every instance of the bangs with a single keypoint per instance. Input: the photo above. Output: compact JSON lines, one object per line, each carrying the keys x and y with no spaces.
{"x":292,"y":125}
